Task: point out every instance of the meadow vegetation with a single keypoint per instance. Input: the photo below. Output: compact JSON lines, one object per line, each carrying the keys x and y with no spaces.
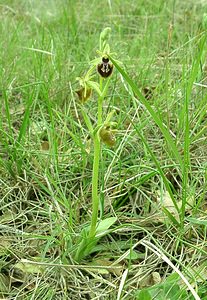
{"x":103,"y":181}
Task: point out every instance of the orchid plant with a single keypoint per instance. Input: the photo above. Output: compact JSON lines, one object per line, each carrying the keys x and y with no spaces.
{"x":102,"y":132}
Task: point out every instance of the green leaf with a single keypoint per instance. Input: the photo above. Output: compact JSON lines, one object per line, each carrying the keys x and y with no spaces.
{"x":197,"y":221}
{"x":86,"y":245}
{"x":27,"y":267}
{"x":87,"y":121}
{"x":170,"y":216}
{"x":25,"y":122}
{"x":109,"y":116}
{"x":152,"y":112}
{"x":104,"y":225}
{"x":133,"y":255}
{"x":167,"y":185}
{"x":144,"y":295}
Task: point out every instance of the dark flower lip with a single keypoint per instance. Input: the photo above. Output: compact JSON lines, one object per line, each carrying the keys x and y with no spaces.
{"x":105,"y":69}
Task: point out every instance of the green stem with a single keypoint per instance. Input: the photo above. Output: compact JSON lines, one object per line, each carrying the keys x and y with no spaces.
{"x":95,"y":176}
{"x":95,"y":194}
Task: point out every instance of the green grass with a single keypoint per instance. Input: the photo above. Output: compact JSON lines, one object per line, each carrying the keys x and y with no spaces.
{"x":152,"y":182}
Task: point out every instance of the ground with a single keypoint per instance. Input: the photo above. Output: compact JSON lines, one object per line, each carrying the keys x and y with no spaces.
{"x":151,"y":243}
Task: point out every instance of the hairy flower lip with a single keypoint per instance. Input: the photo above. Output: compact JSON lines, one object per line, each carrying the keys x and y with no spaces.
{"x":105,"y":68}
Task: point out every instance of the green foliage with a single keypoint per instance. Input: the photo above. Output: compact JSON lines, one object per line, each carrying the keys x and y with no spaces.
{"x":170,"y":289}
{"x":86,"y":225}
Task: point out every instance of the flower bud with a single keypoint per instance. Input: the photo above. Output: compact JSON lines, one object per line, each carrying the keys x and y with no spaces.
{"x":107,"y":136}
{"x":84,"y":94}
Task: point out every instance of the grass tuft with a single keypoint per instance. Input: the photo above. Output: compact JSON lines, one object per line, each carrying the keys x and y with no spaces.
{"x":145,"y":235}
